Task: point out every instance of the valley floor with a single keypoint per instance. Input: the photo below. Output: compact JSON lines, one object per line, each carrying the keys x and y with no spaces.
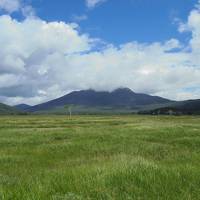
{"x":99,"y":157}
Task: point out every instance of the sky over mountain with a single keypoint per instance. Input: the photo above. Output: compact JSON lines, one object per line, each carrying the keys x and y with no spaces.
{"x":49,"y":48}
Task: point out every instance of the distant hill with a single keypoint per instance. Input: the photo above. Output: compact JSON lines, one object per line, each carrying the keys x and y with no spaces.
{"x":22,"y":107}
{"x":8,"y":110}
{"x":119,"y":98}
{"x":190,"y":107}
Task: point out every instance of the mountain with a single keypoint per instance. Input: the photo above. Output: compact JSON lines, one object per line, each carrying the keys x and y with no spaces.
{"x":190,"y":107}
{"x":8,"y":110}
{"x":22,"y":107}
{"x":119,"y":98}
{"x":122,"y":100}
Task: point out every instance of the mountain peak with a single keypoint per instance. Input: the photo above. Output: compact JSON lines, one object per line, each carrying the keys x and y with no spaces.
{"x":122,"y":90}
{"x":22,"y":107}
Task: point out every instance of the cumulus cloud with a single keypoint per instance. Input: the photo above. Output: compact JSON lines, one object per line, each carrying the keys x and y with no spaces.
{"x":93,"y":3}
{"x":43,"y":60}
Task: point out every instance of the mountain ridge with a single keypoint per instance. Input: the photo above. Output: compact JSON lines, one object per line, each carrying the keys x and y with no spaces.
{"x":22,"y":107}
{"x":121,"y":97}
{"x":121,"y":100}
{"x":189,"y":107}
{"x":8,"y":110}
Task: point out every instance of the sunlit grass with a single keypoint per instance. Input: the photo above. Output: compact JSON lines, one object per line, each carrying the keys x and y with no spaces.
{"x":96,"y":157}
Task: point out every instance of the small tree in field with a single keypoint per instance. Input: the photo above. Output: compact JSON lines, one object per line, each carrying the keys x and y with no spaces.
{"x":69,"y":110}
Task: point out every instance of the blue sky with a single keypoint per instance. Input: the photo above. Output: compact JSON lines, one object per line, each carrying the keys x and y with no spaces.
{"x":120,"y":21}
{"x":49,"y":48}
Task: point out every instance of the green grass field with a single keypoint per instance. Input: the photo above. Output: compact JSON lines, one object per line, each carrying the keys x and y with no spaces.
{"x":99,"y":157}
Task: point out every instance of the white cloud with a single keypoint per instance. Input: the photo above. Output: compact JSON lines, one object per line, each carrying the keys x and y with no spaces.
{"x":28,"y":11}
{"x":79,"y":18}
{"x":93,"y":3}
{"x":10,"y":5}
{"x":43,"y":60}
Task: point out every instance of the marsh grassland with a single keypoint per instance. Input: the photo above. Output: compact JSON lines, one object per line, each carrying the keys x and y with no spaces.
{"x":99,"y":157}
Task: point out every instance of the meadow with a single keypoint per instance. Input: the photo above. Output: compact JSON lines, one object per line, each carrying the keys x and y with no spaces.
{"x":99,"y":157}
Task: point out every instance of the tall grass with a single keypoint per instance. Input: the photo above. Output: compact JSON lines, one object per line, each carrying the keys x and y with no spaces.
{"x":96,"y":157}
